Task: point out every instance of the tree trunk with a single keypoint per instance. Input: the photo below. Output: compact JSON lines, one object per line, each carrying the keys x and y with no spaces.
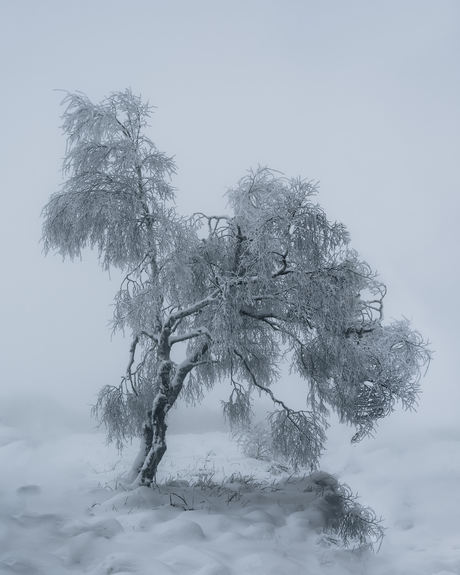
{"x":153,"y":443}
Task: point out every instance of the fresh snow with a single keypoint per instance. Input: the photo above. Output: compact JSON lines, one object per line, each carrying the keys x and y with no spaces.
{"x":63,"y":508}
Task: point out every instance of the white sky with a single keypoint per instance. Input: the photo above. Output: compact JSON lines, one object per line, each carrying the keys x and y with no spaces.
{"x":361,"y":95}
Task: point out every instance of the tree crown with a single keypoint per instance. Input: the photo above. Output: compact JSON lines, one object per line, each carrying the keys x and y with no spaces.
{"x":270,"y":282}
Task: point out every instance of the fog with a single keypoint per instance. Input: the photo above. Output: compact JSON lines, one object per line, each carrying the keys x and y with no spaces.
{"x":360,"y":96}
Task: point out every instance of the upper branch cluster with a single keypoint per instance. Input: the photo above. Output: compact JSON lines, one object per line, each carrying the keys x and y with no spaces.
{"x":117,"y":183}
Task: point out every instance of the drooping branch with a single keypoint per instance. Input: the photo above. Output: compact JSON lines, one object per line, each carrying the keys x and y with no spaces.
{"x":238,"y":409}
{"x":311,"y":437}
{"x":258,"y":385}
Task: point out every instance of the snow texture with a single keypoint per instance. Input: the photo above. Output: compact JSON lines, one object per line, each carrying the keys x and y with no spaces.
{"x":215,"y":512}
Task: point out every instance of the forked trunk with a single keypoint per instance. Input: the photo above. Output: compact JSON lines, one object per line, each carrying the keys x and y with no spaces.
{"x":153,"y":441}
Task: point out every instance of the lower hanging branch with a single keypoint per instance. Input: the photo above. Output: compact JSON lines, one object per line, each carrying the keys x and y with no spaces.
{"x":297,"y":435}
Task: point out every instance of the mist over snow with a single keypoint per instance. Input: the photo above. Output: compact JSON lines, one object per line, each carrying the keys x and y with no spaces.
{"x":215,"y":511}
{"x":360,"y":96}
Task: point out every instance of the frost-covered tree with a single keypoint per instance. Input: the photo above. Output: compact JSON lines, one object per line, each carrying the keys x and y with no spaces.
{"x":272,"y":281}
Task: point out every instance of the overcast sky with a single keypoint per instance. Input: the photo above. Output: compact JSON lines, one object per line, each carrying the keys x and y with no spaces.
{"x":362,"y":96}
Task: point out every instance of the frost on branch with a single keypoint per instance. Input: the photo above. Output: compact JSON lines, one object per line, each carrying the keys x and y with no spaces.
{"x":117,"y":182}
{"x":348,"y":523}
{"x":298,"y":435}
{"x":272,"y":281}
{"x":256,"y":442}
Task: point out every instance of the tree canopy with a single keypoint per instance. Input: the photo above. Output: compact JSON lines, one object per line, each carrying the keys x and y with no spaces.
{"x":270,"y":282}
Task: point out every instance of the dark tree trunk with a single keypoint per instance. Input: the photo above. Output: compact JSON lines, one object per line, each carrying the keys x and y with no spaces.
{"x":153,"y":445}
{"x":155,"y":441}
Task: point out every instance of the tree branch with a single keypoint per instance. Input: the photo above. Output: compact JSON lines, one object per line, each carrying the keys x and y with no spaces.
{"x":259,"y":385}
{"x":184,"y":368}
{"x":132,"y":353}
{"x":189,"y":335}
{"x":173,"y":317}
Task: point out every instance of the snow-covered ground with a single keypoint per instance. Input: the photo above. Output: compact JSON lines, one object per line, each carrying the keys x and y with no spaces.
{"x":63,"y":510}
